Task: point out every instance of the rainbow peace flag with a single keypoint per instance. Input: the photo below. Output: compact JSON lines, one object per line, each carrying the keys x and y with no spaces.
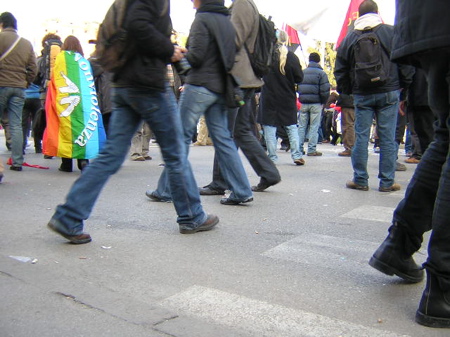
{"x":74,"y":122}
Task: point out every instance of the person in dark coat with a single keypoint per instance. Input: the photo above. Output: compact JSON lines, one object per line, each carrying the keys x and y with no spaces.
{"x":211,"y":54}
{"x":140,"y":92}
{"x":422,"y":40}
{"x":313,"y":94}
{"x":379,"y":101}
{"x":278,"y":102}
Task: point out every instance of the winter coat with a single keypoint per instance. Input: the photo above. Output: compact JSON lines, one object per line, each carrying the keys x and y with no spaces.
{"x":278,"y":102}
{"x":315,"y":88}
{"x":424,"y":25}
{"x":245,"y":19}
{"x":149,"y":28}
{"x":399,"y":76}
{"x":18,"y":69}
{"x":208,"y":69}
{"x":102,"y":85}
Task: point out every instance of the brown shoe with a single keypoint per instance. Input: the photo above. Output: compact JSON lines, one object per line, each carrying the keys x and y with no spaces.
{"x":354,"y":186}
{"x":412,"y":160}
{"x":392,"y":188}
{"x":314,"y":154}
{"x":210,"y":222}
{"x":75,"y":239}
{"x":299,"y":162}
{"x":345,"y":153}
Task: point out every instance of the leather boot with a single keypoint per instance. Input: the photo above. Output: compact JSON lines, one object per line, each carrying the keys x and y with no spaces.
{"x":434,"y":307}
{"x":390,"y":258}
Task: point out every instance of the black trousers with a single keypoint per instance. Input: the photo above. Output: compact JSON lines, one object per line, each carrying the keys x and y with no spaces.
{"x":241,"y":123}
{"x":426,"y":202}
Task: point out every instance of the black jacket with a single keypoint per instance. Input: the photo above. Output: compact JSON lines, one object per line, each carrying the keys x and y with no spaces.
{"x":315,"y":87}
{"x":420,"y":26}
{"x":208,"y":68}
{"x":278,"y":103}
{"x":399,"y":76}
{"x":149,"y":29}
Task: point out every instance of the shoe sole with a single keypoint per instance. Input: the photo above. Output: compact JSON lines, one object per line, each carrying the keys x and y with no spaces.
{"x":388,"y":270}
{"x":432,"y":322}
{"x":68,"y":237}
{"x":200,"y":228}
{"x":155,"y":198}
{"x":358,"y":187}
{"x":232,"y":202}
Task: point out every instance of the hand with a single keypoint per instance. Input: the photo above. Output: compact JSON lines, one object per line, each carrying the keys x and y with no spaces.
{"x":178,"y":53}
{"x":402,"y":108}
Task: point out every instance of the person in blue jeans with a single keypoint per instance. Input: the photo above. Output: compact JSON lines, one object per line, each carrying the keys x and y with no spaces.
{"x":314,"y":92}
{"x":210,"y":36}
{"x":380,"y":100}
{"x":140,"y":93}
{"x":422,"y":41}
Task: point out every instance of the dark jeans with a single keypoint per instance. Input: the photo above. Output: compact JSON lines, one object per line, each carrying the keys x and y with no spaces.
{"x":243,"y":120}
{"x":423,"y":120}
{"x":31,"y":106}
{"x":427,"y":198}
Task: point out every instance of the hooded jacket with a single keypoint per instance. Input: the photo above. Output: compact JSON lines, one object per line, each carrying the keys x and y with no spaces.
{"x":211,"y":28}
{"x":400,"y":77}
{"x":149,"y":29}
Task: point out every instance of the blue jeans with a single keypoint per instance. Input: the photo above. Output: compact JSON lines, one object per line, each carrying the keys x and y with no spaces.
{"x":196,"y":101}
{"x":270,"y":135}
{"x":13,"y":99}
{"x":312,"y":114}
{"x":384,"y":107}
{"x":131,"y":105}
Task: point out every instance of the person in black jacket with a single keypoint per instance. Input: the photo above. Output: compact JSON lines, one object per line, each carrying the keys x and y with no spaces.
{"x":278,"y":101}
{"x":381,"y":101}
{"x":313,"y":94}
{"x":140,"y":93}
{"x":211,"y":54}
{"x":422,"y":40}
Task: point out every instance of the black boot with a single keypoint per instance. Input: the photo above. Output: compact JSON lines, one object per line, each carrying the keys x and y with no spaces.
{"x":390,"y":258}
{"x":434,"y":307}
{"x":82,"y":163}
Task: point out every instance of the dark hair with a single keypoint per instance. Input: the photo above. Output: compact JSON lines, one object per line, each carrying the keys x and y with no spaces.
{"x":71,"y":43}
{"x":8,"y":20}
{"x":314,"y":57}
{"x":368,"y":6}
{"x":50,"y":36}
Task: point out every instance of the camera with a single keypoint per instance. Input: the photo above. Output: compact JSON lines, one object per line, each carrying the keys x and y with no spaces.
{"x":182,"y":67}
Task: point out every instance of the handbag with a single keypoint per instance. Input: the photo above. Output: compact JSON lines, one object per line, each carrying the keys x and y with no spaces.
{"x":6,"y":53}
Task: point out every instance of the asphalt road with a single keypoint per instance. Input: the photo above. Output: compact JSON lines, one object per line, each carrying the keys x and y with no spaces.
{"x":291,"y":263}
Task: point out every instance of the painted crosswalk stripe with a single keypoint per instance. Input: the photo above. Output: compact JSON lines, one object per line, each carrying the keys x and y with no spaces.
{"x":260,"y":318}
{"x":374,"y":213}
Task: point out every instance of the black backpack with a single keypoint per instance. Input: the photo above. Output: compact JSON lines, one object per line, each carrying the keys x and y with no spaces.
{"x":112,"y":48}
{"x":371,"y":60}
{"x":262,"y":57}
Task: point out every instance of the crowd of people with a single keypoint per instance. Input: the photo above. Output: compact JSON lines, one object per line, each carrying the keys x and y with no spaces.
{"x":138,"y":100}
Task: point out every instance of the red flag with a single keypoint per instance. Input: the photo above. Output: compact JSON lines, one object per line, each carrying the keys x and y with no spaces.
{"x":294,"y":40}
{"x":349,"y":23}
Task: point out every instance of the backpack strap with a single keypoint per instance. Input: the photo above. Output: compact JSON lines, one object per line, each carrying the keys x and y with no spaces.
{"x":6,"y":53}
